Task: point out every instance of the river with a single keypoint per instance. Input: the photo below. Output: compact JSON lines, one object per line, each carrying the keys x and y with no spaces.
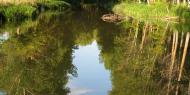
{"x":76,"y":53}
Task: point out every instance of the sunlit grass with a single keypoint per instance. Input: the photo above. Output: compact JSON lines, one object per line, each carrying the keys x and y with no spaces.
{"x":14,"y":11}
{"x":144,"y":11}
{"x":5,"y":2}
{"x":17,"y":2}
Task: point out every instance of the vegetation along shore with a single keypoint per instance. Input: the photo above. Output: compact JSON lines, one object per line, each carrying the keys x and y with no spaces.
{"x":154,"y":9}
{"x":16,"y":10}
{"x":139,"y":9}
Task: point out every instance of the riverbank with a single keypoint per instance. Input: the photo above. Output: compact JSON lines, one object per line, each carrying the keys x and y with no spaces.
{"x":157,"y":11}
{"x":11,"y":11}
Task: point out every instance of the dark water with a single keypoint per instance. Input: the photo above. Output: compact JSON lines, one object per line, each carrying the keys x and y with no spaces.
{"x":76,"y":53}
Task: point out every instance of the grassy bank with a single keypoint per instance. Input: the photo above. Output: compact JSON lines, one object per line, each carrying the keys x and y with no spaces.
{"x":11,"y":10}
{"x":159,"y":11}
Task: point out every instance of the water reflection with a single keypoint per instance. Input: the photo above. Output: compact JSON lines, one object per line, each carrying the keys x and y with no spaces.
{"x":92,"y":78}
{"x":36,"y":62}
{"x":142,"y":57}
{"x":4,"y":36}
{"x":2,"y":93}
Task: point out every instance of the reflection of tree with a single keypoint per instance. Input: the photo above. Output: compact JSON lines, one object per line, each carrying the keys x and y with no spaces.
{"x":137,"y":59}
{"x":85,"y":38}
{"x":39,"y":58}
{"x":37,"y":62}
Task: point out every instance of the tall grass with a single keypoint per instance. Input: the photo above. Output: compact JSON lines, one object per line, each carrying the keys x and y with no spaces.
{"x":21,"y":9}
{"x":144,"y":11}
{"x":17,"y":11}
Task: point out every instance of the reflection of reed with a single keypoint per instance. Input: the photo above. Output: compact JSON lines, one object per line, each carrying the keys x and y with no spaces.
{"x":173,"y":54}
{"x":18,"y":31}
{"x":140,"y":37}
{"x":144,"y":35}
{"x":135,"y":37}
{"x":189,"y":89}
{"x":184,"y":55}
{"x":183,"y":61}
{"x":180,"y":50}
{"x":181,"y":42}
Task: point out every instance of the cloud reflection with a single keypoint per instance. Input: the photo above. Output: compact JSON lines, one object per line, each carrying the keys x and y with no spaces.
{"x":80,"y":91}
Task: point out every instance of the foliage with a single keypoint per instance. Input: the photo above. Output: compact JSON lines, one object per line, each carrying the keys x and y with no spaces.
{"x":38,"y":62}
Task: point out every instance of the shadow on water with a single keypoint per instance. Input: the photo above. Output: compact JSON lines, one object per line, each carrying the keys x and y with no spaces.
{"x":37,"y":58}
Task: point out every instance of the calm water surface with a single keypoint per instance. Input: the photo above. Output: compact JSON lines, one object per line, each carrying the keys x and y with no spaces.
{"x":76,"y":53}
{"x":92,"y":77}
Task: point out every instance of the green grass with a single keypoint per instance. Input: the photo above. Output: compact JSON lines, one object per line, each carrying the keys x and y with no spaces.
{"x":184,"y":13}
{"x":17,"y":11}
{"x":157,"y":14}
{"x":144,"y":11}
{"x":13,"y":12}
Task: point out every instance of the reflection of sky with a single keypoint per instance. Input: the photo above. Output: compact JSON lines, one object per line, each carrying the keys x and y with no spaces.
{"x":1,"y":93}
{"x":92,"y":78}
{"x":4,"y":36}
